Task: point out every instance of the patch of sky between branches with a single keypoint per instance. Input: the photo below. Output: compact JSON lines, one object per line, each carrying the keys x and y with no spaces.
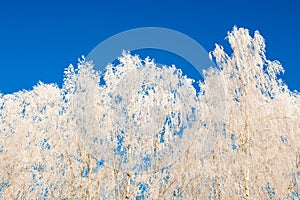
{"x":162,"y":57}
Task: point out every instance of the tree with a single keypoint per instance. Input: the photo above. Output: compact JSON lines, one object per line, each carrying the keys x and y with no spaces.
{"x":146,"y":133}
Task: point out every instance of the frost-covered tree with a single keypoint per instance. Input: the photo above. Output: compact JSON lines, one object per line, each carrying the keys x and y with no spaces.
{"x":261,"y":147}
{"x":145,"y":133}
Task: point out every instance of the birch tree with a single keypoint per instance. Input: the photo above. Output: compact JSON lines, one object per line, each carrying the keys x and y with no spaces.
{"x":145,"y":133}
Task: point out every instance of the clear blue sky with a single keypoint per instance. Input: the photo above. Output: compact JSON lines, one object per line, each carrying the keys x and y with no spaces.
{"x":38,"y":39}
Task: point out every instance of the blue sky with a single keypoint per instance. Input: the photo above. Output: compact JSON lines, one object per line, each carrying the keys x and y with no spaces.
{"x":38,"y":39}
